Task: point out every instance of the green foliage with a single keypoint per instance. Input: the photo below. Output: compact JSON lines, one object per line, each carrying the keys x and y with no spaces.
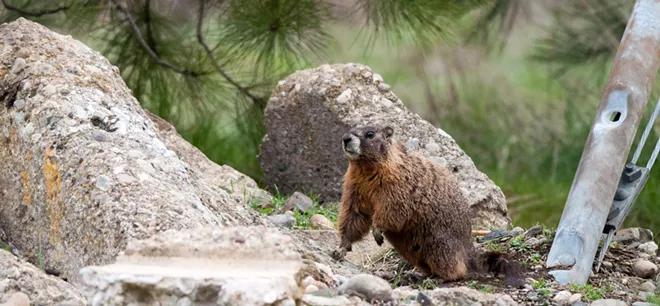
{"x":518,"y":97}
{"x":328,"y":210}
{"x":589,"y":292}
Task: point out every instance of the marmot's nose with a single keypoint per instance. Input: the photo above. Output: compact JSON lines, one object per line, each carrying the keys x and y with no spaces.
{"x":346,"y":139}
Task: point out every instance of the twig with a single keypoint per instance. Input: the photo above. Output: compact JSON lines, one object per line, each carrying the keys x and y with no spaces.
{"x":258,"y":100}
{"x":146,"y":47}
{"x":34,"y":13}
{"x":151,"y":41}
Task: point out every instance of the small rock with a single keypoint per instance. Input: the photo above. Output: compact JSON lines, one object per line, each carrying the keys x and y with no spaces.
{"x":439,"y":160}
{"x":432,"y":147}
{"x":125,"y":179}
{"x":644,"y":295}
{"x":319,"y":221}
{"x":643,"y":304}
{"x":533,"y":231}
{"x":378,"y":77}
{"x":533,"y":296}
{"x":19,"y":104}
{"x":283,"y":220}
{"x":300,"y":201}
{"x":607,"y":264}
{"x":645,"y":269}
{"x":608,"y":302}
{"x":517,"y":231}
{"x":533,"y":241}
{"x":307,"y":281}
{"x":345,"y":96}
{"x":562,"y":297}
{"x":371,"y":287}
{"x":383,"y":87}
{"x":649,"y":248}
{"x":633,"y":245}
{"x":311,"y":288}
{"x":385,"y":102}
{"x":341,"y":279}
{"x":574,"y":299}
{"x":17,"y":299}
{"x":647,"y":286}
{"x":412,"y":143}
{"x":103,"y":182}
{"x":49,"y":90}
{"x":19,"y":64}
{"x":314,"y":300}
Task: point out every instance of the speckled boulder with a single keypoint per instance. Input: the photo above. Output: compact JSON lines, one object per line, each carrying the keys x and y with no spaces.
{"x":17,"y":275}
{"x":84,"y":168}
{"x":309,"y":112}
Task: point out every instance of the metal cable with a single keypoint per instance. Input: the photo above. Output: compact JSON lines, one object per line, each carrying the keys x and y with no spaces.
{"x":645,"y":135}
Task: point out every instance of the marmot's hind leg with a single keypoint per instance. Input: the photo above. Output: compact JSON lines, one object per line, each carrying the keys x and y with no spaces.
{"x":447,"y":259}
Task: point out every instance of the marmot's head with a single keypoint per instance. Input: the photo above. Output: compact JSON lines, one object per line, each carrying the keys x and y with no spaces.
{"x":368,"y":142}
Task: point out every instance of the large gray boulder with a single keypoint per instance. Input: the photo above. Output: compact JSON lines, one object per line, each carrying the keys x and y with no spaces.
{"x":250,"y":266}
{"x":84,"y":167}
{"x":19,"y":277}
{"x":310,"y":110}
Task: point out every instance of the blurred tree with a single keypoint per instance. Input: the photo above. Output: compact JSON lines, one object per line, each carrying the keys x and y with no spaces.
{"x":208,"y":66}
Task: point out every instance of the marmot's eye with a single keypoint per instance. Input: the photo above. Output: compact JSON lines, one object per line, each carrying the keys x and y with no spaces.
{"x":370,"y":134}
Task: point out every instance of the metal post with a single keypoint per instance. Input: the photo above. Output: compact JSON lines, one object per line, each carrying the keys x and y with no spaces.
{"x":608,"y":145}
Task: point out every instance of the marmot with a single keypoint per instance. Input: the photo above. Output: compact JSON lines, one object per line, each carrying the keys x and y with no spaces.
{"x":415,"y":203}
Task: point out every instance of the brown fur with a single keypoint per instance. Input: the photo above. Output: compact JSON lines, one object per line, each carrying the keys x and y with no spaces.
{"x":415,"y":204}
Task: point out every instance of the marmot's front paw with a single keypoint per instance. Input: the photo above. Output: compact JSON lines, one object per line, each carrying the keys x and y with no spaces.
{"x":338,"y":254}
{"x":378,"y":236}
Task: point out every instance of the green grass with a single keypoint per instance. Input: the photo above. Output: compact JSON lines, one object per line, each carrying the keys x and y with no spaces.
{"x":328,"y":210}
{"x":589,"y":292}
{"x":654,"y":298}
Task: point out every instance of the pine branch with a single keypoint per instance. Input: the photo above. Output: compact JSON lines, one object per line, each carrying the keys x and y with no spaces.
{"x":146,"y":47}
{"x":25,"y":12}
{"x":257,"y":100}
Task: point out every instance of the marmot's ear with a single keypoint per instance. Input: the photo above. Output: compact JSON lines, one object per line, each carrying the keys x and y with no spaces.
{"x":388,"y":131}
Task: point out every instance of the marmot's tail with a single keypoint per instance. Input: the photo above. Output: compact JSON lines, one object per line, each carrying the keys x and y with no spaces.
{"x":498,"y":263}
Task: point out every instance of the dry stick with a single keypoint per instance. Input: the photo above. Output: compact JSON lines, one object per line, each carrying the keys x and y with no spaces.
{"x":258,"y":100}
{"x":146,"y":47}
{"x":33,"y":13}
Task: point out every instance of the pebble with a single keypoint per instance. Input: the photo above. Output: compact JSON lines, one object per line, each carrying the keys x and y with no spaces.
{"x":607,"y":264}
{"x":608,"y":302}
{"x":432,"y":147}
{"x":378,"y":77}
{"x":314,"y":300}
{"x":373,"y":288}
{"x":19,"y":104}
{"x":345,"y":96}
{"x":385,"y":102}
{"x":647,"y":286}
{"x":103,"y":182}
{"x":383,"y":87}
{"x":17,"y":299}
{"x":311,"y":288}
{"x":308,"y":280}
{"x":125,"y":179}
{"x":534,"y":230}
{"x":49,"y":90}
{"x":412,"y":143}
{"x":517,"y":230}
{"x":319,"y":221}
{"x":643,"y":304}
{"x":19,"y":65}
{"x":562,"y":297}
{"x":574,"y":299}
{"x":439,"y":160}
{"x":283,"y":220}
{"x":533,"y":241}
{"x":300,"y":201}
{"x":533,"y":296}
{"x":649,"y":248}
{"x":645,"y":269}
{"x":643,"y":295}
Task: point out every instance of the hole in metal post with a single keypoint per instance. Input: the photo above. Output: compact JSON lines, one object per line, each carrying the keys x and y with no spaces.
{"x":615,"y":116}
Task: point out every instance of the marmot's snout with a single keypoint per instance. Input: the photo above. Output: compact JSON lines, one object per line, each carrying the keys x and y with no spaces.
{"x":351,"y":145}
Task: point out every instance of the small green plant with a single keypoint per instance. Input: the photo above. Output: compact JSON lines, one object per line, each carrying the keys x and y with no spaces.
{"x":589,"y":292}
{"x":486,"y":289}
{"x":473,"y":284}
{"x":518,"y":242}
{"x":428,"y":284}
{"x":539,"y":284}
{"x":653,"y":298}
{"x":5,"y":246}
